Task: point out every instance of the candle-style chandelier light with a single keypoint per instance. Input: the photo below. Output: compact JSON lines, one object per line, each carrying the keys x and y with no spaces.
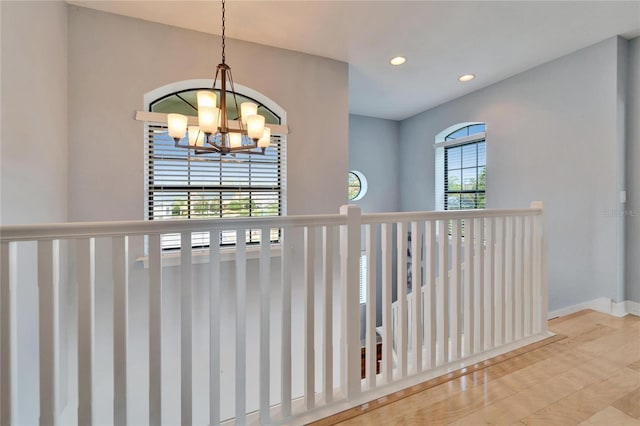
{"x":215,"y":132}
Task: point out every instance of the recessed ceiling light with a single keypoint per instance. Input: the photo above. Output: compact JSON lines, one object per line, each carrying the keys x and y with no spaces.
{"x":398,"y":60}
{"x":466,"y":77}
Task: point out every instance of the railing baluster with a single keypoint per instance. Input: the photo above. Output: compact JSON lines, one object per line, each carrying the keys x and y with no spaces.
{"x":241,"y":327}
{"x":509,"y":281}
{"x":327,"y":267}
{"x":85,"y":263}
{"x":416,"y":290}
{"x":120,"y":270}
{"x":443,"y":292}
{"x":528,"y":295}
{"x":479,"y":285}
{"x":540,"y":292}
{"x":48,"y":282}
{"x":286,"y":323}
{"x":489,"y":282}
{"x":265,"y":324}
{"x":430,"y":293}
{"x":535,"y":286}
{"x":499,"y":277}
{"x":519,"y":288}
{"x":350,"y":241}
{"x":387,"y":326}
{"x":309,"y":335}
{"x":402,"y":298}
{"x":214,"y":327}
{"x":8,"y":331}
{"x":371,"y":306}
{"x":186,"y":331}
{"x":469,"y":285}
{"x":155,"y":330}
{"x":456,"y":316}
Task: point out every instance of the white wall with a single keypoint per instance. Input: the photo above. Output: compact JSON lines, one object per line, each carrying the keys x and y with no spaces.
{"x":114,"y":61}
{"x":632,"y":210}
{"x":551,"y":136}
{"x":33,"y":156}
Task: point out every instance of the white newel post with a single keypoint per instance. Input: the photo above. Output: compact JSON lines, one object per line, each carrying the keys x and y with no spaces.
{"x":349,"y":275}
{"x":540,"y":269}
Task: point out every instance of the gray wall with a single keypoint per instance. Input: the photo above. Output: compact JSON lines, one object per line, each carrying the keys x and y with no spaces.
{"x":33,"y":158}
{"x":373,"y":150}
{"x":551,"y":136}
{"x":632,"y":210}
{"x":114,"y":61}
{"x":34,"y":112}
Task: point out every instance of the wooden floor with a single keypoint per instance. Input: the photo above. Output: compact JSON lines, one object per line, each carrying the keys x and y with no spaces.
{"x":589,"y":375}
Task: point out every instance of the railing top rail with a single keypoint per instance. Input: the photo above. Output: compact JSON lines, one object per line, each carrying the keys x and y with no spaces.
{"x":146,"y":227}
{"x":72,"y":230}
{"x":373,"y":218}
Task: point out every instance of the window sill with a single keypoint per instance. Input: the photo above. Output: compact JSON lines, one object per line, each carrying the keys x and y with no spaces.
{"x":202,"y":256}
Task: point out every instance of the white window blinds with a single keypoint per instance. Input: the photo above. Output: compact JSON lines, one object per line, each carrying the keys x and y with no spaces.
{"x":184,"y":185}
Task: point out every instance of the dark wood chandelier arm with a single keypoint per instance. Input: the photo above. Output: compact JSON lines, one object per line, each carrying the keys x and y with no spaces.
{"x":212,"y":148}
{"x":235,"y":99}
{"x":161,"y":119}
{"x":244,"y":147}
{"x":223,"y":97}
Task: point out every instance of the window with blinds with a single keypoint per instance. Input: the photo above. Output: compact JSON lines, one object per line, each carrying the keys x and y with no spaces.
{"x":461,"y":169}
{"x":465,"y":176}
{"x":184,"y":185}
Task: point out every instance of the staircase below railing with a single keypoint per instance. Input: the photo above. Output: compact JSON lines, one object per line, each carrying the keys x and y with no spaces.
{"x":266,"y":334}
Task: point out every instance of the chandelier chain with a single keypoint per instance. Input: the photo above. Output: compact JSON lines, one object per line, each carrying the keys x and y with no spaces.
{"x":223,"y":36}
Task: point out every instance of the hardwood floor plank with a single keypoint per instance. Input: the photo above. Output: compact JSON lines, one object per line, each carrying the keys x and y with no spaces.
{"x":629,"y":404}
{"x":610,"y":416}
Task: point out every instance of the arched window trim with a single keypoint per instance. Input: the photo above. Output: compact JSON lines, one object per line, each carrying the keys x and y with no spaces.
{"x":441,"y":142}
{"x":181,"y":86}
{"x":178,"y":93}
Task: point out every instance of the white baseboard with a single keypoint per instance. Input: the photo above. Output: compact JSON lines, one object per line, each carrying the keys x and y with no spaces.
{"x":601,"y":304}
{"x":632,"y":308}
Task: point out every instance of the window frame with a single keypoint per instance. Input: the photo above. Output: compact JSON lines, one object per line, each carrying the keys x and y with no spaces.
{"x":151,"y":188}
{"x":364,"y":185}
{"x":441,"y":144}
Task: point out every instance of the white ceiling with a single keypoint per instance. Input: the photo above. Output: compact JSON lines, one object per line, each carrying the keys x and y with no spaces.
{"x":441,"y":40}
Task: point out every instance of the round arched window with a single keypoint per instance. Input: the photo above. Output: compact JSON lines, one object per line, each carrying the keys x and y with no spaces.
{"x":357,"y":185}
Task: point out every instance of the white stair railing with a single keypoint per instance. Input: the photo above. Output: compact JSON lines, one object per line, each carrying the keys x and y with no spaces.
{"x":284,"y":332}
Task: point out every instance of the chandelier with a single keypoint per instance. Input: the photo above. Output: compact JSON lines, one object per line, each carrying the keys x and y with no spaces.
{"x":215,"y":132}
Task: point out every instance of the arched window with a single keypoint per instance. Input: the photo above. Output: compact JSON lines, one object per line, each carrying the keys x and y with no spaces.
{"x":461,"y":167}
{"x":184,"y":185}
